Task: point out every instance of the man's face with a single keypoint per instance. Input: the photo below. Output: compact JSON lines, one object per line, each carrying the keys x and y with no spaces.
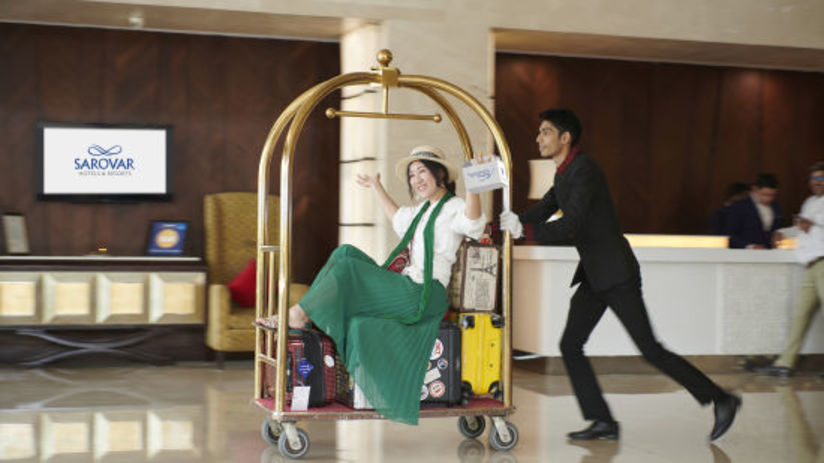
{"x":765,"y":195}
{"x":550,"y":142}
{"x":817,"y":182}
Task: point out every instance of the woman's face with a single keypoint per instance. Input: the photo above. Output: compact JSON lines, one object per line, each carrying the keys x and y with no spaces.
{"x":422,"y":181}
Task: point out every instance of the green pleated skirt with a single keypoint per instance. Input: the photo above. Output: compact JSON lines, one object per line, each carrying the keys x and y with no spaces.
{"x":358,"y":304}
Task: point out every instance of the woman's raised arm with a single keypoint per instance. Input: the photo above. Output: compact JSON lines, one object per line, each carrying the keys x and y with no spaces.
{"x":374,"y":181}
{"x":473,"y":206}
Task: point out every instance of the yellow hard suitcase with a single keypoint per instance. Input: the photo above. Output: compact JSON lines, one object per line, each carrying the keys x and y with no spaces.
{"x":480,"y":353}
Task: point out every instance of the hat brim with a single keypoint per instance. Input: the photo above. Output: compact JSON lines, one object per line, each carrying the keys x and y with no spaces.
{"x":402,"y":167}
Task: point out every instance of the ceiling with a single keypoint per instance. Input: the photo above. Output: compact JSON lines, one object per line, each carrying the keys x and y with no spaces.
{"x":677,"y":51}
{"x":211,"y":21}
{"x":174,"y":19}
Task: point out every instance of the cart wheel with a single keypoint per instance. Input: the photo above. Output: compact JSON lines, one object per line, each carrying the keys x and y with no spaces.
{"x":495,"y":439}
{"x":290,"y":452}
{"x":471,"y":426}
{"x":271,"y":431}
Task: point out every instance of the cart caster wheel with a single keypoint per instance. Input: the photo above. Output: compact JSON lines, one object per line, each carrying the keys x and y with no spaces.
{"x":495,"y":439}
{"x":471,"y":426}
{"x":288,"y":451}
{"x":271,"y":431}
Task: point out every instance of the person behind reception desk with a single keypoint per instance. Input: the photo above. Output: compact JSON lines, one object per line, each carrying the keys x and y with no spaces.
{"x":608,"y":275}
{"x":752,"y":221}
{"x":809,"y":229}
{"x":718,"y":221}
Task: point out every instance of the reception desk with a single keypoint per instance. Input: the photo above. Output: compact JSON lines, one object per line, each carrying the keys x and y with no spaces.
{"x":701,"y":301}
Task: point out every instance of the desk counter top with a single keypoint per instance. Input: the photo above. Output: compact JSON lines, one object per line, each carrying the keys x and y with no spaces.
{"x":646,"y":254}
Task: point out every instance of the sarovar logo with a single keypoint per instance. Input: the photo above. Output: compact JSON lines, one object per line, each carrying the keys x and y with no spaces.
{"x":103,"y":162}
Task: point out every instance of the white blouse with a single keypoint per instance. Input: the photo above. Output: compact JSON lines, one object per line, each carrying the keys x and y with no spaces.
{"x":451,"y":226}
{"x":810,"y":244}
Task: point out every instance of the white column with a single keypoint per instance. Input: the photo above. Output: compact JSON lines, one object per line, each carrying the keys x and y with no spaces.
{"x":462,"y":55}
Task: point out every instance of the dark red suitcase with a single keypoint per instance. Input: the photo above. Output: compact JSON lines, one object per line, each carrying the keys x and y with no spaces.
{"x":310,"y":361}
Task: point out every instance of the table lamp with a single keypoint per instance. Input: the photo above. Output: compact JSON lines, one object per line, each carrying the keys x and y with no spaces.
{"x":541,"y":177}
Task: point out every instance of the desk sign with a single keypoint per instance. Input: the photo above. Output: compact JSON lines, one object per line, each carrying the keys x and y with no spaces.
{"x":14,"y":229}
{"x":167,"y":238}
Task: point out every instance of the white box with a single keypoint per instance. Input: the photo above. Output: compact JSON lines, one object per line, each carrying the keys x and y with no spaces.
{"x":485,"y":177}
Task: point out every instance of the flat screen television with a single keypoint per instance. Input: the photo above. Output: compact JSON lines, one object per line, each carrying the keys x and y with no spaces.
{"x":104,"y":162}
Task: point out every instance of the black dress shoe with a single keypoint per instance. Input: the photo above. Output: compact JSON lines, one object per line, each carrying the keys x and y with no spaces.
{"x":772,"y":370}
{"x":606,"y":430}
{"x":725,"y":410}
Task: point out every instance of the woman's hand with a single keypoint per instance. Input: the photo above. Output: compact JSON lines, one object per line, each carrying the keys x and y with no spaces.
{"x":374,"y":181}
{"x":480,"y":158}
{"x":369,"y":181}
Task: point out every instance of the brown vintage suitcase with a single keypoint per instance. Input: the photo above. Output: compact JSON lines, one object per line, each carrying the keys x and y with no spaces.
{"x":475,"y":276}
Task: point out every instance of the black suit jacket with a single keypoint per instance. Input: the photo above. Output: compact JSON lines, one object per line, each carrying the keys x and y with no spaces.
{"x":589,"y":222}
{"x":745,"y":227}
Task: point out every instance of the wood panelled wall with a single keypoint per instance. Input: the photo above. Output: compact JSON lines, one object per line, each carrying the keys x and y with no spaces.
{"x":221,"y":95}
{"x":669,"y":137}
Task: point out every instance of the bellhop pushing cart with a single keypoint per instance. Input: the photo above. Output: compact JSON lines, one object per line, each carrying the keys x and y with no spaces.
{"x":274,"y":258}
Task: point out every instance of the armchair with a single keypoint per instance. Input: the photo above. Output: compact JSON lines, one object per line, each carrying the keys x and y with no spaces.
{"x":230,"y":224}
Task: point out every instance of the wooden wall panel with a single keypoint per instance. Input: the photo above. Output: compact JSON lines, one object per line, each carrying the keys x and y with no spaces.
{"x":221,"y":95}
{"x":670,"y":137}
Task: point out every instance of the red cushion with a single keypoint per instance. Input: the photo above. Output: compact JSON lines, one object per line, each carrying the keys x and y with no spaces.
{"x":242,"y":287}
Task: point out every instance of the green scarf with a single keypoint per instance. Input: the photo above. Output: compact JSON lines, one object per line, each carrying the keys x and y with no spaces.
{"x":428,"y":252}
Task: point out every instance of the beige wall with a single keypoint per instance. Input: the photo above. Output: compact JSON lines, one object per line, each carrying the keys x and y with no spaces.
{"x":455,"y":40}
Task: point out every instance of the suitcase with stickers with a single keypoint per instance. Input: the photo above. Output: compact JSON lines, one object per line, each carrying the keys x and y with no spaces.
{"x":311,"y":361}
{"x":442,"y":382}
{"x":481,"y":354}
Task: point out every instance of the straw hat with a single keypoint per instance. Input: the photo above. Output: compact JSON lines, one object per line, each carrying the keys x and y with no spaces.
{"x":428,"y":153}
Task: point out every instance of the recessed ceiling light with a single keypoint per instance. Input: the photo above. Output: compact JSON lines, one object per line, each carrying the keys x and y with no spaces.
{"x":136,"y":20}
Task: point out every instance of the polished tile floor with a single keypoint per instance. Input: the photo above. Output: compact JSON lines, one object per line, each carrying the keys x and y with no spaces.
{"x":194,"y":412}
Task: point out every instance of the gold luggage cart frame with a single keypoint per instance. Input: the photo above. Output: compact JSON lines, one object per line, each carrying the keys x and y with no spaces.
{"x":279,"y":427}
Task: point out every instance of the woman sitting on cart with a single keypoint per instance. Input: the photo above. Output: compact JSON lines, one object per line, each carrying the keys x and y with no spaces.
{"x":383,"y":323}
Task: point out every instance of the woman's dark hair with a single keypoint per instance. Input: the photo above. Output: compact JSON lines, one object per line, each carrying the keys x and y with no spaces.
{"x":438,"y":171}
{"x":817,"y":166}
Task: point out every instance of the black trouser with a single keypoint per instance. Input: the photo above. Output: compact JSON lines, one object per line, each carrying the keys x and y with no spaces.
{"x":586,"y":309}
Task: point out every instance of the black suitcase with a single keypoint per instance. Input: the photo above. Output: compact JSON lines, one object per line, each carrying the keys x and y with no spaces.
{"x":442,"y":382}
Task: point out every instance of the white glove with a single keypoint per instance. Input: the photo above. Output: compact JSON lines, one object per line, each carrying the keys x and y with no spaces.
{"x":511,"y":223}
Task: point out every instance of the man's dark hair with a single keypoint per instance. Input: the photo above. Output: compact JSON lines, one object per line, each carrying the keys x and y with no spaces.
{"x":565,"y":121}
{"x":766,"y":180}
{"x":737,"y":188}
{"x":817,"y":166}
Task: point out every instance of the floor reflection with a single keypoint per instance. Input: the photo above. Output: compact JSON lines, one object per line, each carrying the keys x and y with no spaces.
{"x":600,"y":451}
{"x":194,"y":412}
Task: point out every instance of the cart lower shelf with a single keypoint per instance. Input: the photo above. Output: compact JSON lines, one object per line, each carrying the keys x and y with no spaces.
{"x":337,"y":411}
{"x":279,"y":428}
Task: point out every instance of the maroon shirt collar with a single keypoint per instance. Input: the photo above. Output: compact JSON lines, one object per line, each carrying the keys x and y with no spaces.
{"x":564,"y":165}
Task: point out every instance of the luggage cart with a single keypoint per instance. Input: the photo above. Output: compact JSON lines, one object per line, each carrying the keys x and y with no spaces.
{"x":279,"y":428}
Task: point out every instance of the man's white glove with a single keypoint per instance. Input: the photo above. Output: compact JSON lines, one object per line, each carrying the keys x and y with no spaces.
{"x":511,"y":223}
